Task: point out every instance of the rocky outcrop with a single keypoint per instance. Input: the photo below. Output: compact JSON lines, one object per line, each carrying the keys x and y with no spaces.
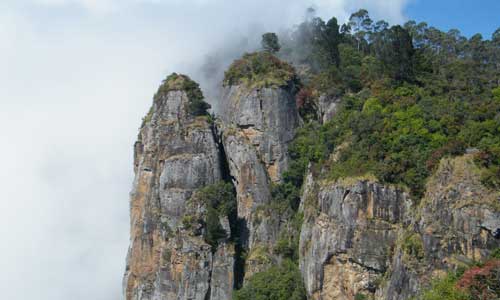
{"x":257,"y":124}
{"x":362,"y":237}
{"x":267,"y":118}
{"x":327,"y":107}
{"x":349,"y":232}
{"x":457,"y":223}
{"x":175,"y":155}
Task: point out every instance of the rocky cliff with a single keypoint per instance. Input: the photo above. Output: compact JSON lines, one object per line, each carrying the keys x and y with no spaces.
{"x":359,"y":239}
{"x":363,"y":238}
{"x":257,"y":124}
{"x":175,"y":155}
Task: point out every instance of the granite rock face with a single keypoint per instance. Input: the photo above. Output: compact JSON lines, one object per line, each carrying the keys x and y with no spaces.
{"x":456,"y":223}
{"x":362,"y":237}
{"x":348,"y":235}
{"x":257,"y":125}
{"x":175,"y":155}
{"x":267,"y":118}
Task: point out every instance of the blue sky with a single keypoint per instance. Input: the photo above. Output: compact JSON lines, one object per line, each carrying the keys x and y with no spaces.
{"x":468,"y":16}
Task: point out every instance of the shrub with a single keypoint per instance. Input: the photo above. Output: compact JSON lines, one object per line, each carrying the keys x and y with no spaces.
{"x":478,"y":282}
{"x":482,"y":282}
{"x":219,"y":200}
{"x":282,"y":282}
{"x":259,"y":69}
{"x":305,"y":104}
{"x":495,"y":253}
{"x":444,"y":289}
{"x":270,"y":42}
{"x":414,"y":246}
{"x":360,"y":296}
{"x":214,"y":231}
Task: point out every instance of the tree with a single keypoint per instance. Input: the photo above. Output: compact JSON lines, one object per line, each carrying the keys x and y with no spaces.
{"x":327,"y":38}
{"x":394,"y":48}
{"x":270,"y":42}
{"x":214,"y":232}
{"x":361,"y":24}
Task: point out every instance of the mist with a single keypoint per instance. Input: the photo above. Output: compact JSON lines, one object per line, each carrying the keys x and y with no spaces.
{"x":77,"y":76}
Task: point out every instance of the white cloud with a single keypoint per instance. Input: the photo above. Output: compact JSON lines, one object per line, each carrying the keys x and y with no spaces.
{"x":76,"y":78}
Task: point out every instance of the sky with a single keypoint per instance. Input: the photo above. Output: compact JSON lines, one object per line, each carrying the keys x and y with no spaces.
{"x":76,"y":78}
{"x":470,"y":17}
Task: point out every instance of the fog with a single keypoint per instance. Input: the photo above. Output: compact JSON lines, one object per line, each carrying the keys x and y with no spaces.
{"x":76,"y":78}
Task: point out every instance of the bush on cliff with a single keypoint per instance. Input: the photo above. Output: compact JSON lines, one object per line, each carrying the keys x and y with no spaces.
{"x":220,"y":201}
{"x":259,"y":69}
{"x":179,"y":82}
{"x":481,"y":281}
{"x":282,"y":282}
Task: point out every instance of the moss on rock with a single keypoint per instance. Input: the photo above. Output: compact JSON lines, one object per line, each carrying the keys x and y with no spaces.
{"x":180,"y":82}
{"x":259,"y":70}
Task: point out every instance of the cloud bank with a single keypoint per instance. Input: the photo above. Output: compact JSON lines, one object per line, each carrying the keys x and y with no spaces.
{"x":77,"y":76}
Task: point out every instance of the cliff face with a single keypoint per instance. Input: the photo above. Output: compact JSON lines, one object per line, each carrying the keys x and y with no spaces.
{"x":177,"y":154}
{"x":457,"y":223}
{"x":358,"y":237}
{"x":174,"y":156}
{"x":361,"y":237}
{"x":257,"y":126}
{"x":348,"y":236}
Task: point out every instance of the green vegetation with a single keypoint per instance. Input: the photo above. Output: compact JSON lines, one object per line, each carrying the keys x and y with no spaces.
{"x":146,"y":119}
{"x":270,"y":42}
{"x":179,"y":82}
{"x":282,"y":282}
{"x":360,"y":296}
{"x":445,"y":289}
{"x":481,"y":281}
{"x":414,"y":246}
{"x":288,"y":244}
{"x":410,"y":95}
{"x":495,"y":254}
{"x":219,"y":200}
{"x":259,"y":69}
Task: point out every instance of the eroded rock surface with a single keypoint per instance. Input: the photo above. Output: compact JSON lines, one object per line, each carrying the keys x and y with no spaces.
{"x":348,"y":235}
{"x":175,"y":155}
{"x":362,"y":237}
{"x":456,"y":223}
{"x":257,"y":126}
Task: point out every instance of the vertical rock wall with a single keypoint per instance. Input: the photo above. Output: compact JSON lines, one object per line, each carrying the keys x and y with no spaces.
{"x":175,"y":155}
{"x":257,"y":125}
{"x":362,"y":237}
